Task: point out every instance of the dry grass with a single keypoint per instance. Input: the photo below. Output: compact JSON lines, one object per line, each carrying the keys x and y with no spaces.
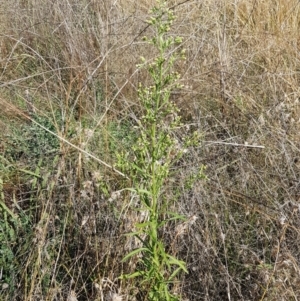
{"x":74,"y":63}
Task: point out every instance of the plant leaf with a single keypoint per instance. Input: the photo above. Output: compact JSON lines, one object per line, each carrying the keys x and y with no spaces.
{"x":175,"y":261}
{"x":31,"y":173}
{"x":174,"y":274}
{"x":134,"y":252}
{"x":133,"y":275}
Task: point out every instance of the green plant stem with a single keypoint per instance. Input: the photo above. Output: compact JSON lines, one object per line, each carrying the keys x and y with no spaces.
{"x":154,"y":157}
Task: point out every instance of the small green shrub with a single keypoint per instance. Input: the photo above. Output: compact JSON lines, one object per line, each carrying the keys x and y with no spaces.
{"x":32,"y":141}
{"x":120,"y":133}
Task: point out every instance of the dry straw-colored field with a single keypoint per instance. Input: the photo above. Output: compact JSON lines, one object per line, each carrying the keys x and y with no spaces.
{"x":70,"y":66}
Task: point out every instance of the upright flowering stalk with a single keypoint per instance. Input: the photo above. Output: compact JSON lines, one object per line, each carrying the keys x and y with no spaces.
{"x":154,"y":153}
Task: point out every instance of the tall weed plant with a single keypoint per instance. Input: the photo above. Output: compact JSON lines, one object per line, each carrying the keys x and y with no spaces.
{"x":155,"y":152}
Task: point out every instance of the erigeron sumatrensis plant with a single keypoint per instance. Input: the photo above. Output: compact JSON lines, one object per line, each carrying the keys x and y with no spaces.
{"x":154,"y":154}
